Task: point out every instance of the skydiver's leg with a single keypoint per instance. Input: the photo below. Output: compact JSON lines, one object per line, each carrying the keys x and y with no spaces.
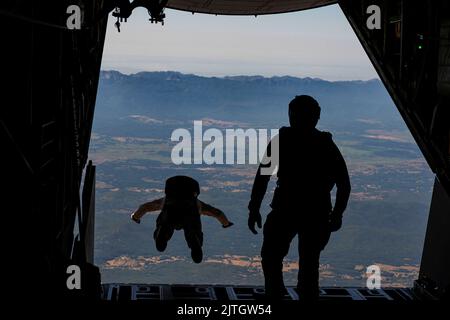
{"x":163,"y":232}
{"x":194,"y":237}
{"x":278,"y":234}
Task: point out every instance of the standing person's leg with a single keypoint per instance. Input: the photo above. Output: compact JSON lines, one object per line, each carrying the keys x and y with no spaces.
{"x":278,"y":234}
{"x":311,"y":242}
{"x":194,"y":237}
{"x":163,"y":232}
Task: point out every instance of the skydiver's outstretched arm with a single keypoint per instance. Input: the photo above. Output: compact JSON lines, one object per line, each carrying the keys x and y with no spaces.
{"x":211,"y":211}
{"x":154,"y":205}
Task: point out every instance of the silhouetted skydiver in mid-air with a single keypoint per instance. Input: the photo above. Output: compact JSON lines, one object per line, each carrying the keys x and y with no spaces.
{"x":309,"y":166}
{"x":180,"y":209}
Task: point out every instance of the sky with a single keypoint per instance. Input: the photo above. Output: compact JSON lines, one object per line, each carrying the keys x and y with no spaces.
{"x":317,"y":43}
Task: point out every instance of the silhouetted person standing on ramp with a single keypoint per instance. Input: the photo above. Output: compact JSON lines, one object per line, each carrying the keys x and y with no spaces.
{"x":309,"y":166}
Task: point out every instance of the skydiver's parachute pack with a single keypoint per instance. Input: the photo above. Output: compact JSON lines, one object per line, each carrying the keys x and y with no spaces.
{"x":183,"y":187}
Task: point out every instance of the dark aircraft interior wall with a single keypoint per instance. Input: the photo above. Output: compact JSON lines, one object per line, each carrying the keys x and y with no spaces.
{"x":411,"y":54}
{"x":51,"y":76}
{"x":434,"y":277}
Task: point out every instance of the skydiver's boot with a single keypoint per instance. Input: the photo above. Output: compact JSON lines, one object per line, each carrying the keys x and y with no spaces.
{"x":162,"y":235}
{"x":197,"y":254}
{"x":195,"y":242}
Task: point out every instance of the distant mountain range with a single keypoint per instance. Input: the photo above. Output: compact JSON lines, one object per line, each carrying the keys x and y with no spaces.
{"x":176,"y":96}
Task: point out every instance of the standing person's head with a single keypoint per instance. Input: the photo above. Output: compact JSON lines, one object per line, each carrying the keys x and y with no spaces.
{"x":304,"y":113}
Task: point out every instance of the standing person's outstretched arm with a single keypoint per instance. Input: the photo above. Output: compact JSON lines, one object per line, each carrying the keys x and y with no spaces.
{"x":259,"y":189}
{"x":154,"y":205}
{"x":211,"y":211}
{"x":343,"y":189}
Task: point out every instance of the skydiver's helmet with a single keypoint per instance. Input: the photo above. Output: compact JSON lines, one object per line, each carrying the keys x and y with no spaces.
{"x":181,"y":198}
{"x":304,"y":112}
